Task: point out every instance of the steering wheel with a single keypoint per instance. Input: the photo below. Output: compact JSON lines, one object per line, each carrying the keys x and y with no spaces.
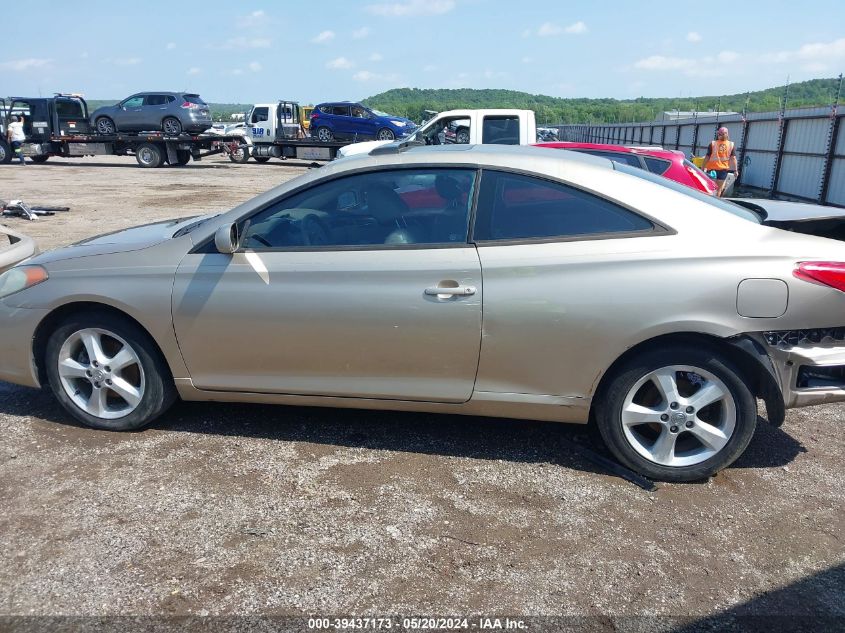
{"x":313,"y":231}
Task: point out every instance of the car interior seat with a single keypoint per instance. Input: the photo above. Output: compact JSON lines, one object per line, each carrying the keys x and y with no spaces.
{"x":387,"y":206}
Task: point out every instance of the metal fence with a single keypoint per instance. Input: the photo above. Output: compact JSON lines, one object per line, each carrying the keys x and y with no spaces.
{"x":798,"y":153}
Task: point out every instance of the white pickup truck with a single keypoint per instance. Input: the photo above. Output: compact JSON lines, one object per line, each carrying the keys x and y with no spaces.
{"x":503,"y":127}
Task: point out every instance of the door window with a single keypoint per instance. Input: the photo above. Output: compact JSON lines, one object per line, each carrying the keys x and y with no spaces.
{"x":155,"y":100}
{"x":385,"y":209}
{"x":502,"y":130}
{"x":133,"y":102}
{"x":259,"y":115}
{"x":340,"y":110}
{"x":359,"y":112}
{"x":516,"y":207}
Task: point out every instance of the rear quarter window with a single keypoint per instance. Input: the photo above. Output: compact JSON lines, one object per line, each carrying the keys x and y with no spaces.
{"x":657,"y":166}
{"x":194,"y":99}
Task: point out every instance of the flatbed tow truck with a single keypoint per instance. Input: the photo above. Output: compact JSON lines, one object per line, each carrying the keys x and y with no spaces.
{"x":59,"y":126}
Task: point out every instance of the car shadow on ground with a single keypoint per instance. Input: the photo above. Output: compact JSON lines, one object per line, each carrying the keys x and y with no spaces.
{"x":569,"y":445}
{"x":191,"y":165}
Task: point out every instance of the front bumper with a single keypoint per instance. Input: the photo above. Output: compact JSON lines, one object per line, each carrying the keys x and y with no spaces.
{"x":17,"y":331}
{"x":810,"y":365}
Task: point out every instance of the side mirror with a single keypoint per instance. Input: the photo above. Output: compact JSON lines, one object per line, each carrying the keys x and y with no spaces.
{"x":226,"y":239}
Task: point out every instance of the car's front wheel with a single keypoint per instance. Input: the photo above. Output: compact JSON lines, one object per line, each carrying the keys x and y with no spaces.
{"x":107,"y":372}
{"x":385,"y":134}
{"x":677,"y":414}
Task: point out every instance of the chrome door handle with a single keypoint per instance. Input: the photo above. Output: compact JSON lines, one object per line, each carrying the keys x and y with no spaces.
{"x":459,"y":291}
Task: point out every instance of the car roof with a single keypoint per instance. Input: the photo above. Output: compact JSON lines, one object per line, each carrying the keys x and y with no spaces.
{"x":622,"y":149}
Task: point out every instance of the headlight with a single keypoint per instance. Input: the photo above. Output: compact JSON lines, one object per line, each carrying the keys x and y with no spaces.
{"x":20,"y":278}
{"x":398,"y":123}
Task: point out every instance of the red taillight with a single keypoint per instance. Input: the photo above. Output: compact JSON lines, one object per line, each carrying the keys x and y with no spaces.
{"x":826,"y":273}
{"x":314,"y":115}
{"x":187,"y":105}
{"x":708,"y":184}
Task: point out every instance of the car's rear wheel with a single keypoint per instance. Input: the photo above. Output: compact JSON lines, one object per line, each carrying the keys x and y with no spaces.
{"x":385,"y":135}
{"x":677,"y":414}
{"x":183,"y":156}
{"x":324,"y":134}
{"x":105,"y":125}
{"x":5,"y":152}
{"x":148,"y":155}
{"x":107,"y":372}
{"x":171,"y":126}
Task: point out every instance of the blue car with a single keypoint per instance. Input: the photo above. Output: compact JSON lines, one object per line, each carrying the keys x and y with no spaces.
{"x":346,"y":120}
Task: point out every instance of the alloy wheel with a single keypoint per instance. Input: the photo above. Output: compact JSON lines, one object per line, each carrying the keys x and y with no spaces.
{"x":678,"y":415}
{"x":101,"y":373}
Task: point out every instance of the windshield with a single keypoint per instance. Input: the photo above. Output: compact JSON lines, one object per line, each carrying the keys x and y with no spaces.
{"x":724,"y":205}
{"x":380,"y":113}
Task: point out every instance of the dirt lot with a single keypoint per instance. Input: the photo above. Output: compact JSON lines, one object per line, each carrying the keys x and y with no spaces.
{"x":224,"y":509}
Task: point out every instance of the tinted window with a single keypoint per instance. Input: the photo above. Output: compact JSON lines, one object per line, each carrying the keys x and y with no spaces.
{"x":154,"y":100}
{"x":259,"y":115}
{"x":359,"y":112}
{"x":340,"y":110}
{"x":724,"y":205}
{"x":69,"y":109}
{"x":133,"y":102}
{"x":503,"y":130}
{"x":395,"y":207}
{"x":657,"y":165}
{"x":618,"y":157}
{"x":512,"y":206}
{"x":194,"y":99}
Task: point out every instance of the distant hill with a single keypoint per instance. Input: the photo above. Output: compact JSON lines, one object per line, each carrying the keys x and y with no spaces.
{"x":411,"y":102}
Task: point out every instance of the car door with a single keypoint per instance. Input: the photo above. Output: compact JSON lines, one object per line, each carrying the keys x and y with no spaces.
{"x":360,"y":286}
{"x":154,"y":110}
{"x":561,"y":284}
{"x":342,"y":122}
{"x":261,"y":125}
{"x":130,"y":114}
{"x":363,"y":122}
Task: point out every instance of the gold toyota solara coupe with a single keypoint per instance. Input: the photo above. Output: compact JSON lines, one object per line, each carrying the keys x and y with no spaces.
{"x":500,"y":281}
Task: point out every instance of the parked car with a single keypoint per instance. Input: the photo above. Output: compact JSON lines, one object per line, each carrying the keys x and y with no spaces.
{"x":14,"y":247}
{"x":170,"y":112}
{"x":657,"y":311}
{"x":346,"y":120}
{"x":664,"y":162}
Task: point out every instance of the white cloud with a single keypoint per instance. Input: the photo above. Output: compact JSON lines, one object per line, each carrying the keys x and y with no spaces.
{"x":527,"y":60}
{"x":246,"y":43}
{"x":254,"y":67}
{"x":360,"y":34}
{"x":170,"y":46}
{"x":25,"y":64}
{"x":550,"y":29}
{"x":339,"y":63}
{"x":411,"y":8}
{"x":429,"y":68}
{"x":815,"y":67}
{"x":236,"y":71}
{"x":251,"y":20}
{"x":815,"y":52}
{"x":692,"y":36}
{"x":127,"y":61}
{"x":323,"y":37}
{"x":707,"y":66}
{"x":194,"y":71}
{"x":376,"y":57}
{"x":366,"y":75}
{"x":492,"y":74}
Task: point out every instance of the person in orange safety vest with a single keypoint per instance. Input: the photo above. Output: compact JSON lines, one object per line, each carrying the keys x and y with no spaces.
{"x":721,"y":158}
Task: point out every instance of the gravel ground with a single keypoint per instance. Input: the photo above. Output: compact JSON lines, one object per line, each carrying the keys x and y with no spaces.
{"x":245,"y":509}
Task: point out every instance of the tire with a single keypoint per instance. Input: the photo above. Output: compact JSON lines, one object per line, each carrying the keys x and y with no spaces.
{"x":105,"y":125}
{"x":385,"y":134}
{"x":128,"y":397}
{"x":183,"y":156}
{"x":171,"y":126}
{"x":5,"y":152}
{"x":39,"y":159}
{"x":240,"y":156}
{"x":261,"y":159}
{"x":324,"y":134}
{"x":462,"y":136}
{"x":149,"y":155}
{"x":643,"y":430}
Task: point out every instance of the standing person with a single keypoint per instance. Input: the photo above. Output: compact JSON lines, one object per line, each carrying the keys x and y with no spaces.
{"x":16,"y":137}
{"x":721,"y":158}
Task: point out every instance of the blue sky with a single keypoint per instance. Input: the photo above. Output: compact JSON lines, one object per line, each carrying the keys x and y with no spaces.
{"x":320,"y":50}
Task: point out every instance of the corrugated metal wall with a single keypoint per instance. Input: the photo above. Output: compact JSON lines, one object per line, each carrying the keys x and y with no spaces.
{"x":801,"y":154}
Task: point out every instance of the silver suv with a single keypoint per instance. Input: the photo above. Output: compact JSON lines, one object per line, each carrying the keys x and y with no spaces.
{"x":170,"y":112}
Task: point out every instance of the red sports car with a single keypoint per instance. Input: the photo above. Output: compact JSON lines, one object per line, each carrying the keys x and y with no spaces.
{"x":665,"y":162}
